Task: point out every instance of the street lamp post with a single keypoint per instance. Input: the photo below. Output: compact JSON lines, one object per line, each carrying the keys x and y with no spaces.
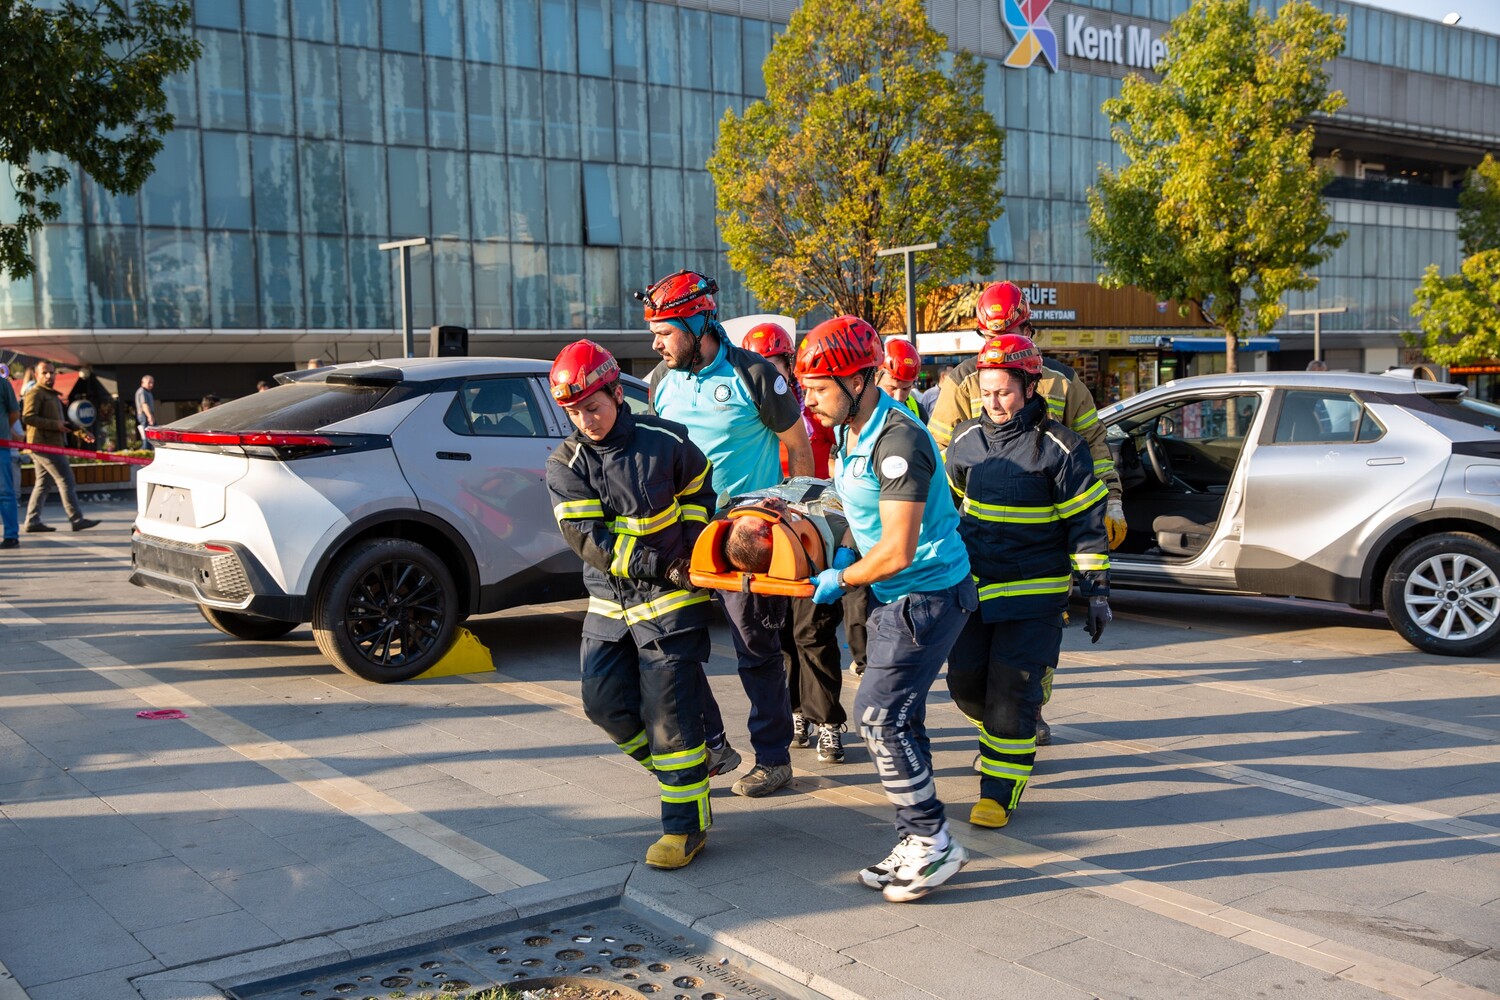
{"x":404,"y":247}
{"x":1317,"y":315}
{"x":911,"y":284}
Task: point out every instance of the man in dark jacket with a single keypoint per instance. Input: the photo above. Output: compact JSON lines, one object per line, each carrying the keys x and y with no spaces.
{"x":631,"y":495}
{"x":47,"y":424}
{"x":1031,"y":513}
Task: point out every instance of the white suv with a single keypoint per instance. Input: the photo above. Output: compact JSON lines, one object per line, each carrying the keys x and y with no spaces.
{"x":384,"y":502}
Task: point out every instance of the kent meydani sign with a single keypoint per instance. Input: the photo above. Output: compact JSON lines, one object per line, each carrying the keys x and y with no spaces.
{"x":1134,"y":46}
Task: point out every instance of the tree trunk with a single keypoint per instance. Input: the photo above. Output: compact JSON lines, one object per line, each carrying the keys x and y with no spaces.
{"x":1231,"y":359}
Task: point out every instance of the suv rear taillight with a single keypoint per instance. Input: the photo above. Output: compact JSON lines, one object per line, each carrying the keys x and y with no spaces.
{"x":263,"y":444}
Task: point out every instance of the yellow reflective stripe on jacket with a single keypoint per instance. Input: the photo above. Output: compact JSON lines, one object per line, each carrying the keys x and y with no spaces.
{"x":1008,"y":514}
{"x":938,"y":427}
{"x":1026,"y":588}
{"x":697,"y":483}
{"x":578,"y":510}
{"x":1055,"y":407}
{"x":680,"y":760}
{"x":646,"y":525}
{"x":694,"y":512}
{"x":1083,"y":501}
{"x":1087,"y":561}
{"x":665,"y":604}
{"x":620,"y":564}
{"x":1085,"y":420}
{"x":607,"y":609}
{"x":1103,"y":466}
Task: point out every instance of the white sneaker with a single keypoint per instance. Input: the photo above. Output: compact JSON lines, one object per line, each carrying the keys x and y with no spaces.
{"x":923,"y":866}
{"x":877,"y":876}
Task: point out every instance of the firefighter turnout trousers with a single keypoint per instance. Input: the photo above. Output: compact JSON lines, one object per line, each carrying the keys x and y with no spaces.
{"x":648,"y":699}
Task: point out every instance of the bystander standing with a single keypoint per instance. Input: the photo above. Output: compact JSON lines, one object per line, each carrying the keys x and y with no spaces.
{"x":1317,"y":365}
{"x":315,"y":363}
{"x":10,"y":470}
{"x":145,"y":408}
{"x":47,"y":424}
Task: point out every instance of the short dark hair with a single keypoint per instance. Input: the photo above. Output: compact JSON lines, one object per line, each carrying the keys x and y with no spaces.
{"x":748,"y":547}
{"x":263,"y":384}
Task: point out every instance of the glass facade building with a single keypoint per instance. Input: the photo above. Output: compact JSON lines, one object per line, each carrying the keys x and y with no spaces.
{"x":553,"y":151}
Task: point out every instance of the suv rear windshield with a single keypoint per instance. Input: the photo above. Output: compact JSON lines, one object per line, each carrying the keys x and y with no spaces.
{"x":295,"y":406}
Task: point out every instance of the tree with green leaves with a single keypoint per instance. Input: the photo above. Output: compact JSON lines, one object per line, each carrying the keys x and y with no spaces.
{"x":863,"y":142}
{"x":1479,"y":207}
{"x":83,"y":82}
{"x":1460,"y":313}
{"x":1219,"y":203}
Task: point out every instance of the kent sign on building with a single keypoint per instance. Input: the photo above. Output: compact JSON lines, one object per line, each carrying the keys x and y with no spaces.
{"x":1086,"y":36}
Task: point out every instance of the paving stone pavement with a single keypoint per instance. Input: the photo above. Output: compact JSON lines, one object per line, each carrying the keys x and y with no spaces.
{"x":1248,"y":798}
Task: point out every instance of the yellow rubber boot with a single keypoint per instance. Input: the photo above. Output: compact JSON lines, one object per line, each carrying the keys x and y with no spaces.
{"x":676,"y":850}
{"x":988,"y":812}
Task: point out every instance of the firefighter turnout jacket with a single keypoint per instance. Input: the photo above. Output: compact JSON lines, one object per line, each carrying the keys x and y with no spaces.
{"x":1068,"y":401}
{"x":631,"y":505}
{"x":1031,"y":513}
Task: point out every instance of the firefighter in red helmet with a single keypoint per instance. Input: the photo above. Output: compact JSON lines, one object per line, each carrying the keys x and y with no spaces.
{"x":898,"y":376}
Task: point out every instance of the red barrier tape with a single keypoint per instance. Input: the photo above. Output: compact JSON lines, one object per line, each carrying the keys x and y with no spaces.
{"x":98,"y":456}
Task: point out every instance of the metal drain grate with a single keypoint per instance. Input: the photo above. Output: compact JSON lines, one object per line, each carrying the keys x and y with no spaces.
{"x":612,"y":945}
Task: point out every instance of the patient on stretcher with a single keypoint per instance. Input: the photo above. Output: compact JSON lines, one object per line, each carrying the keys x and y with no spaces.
{"x":771,"y":541}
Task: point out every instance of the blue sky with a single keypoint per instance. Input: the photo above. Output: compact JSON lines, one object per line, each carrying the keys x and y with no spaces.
{"x":1481,"y":14}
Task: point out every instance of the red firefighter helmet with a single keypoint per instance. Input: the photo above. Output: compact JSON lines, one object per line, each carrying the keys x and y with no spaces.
{"x":844,"y":345}
{"x":769,"y":340}
{"x":1011,"y":350}
{"x":902,"y":360}
{"x":581,"y":369}
{"x":678,"y":296}
{"x":1002,"y":307}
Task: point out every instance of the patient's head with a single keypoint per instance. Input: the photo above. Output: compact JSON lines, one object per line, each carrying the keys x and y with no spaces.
{"x":748,"y":547}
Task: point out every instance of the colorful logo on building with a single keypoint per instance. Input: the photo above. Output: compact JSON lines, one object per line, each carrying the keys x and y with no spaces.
{"x":1028,"y":24}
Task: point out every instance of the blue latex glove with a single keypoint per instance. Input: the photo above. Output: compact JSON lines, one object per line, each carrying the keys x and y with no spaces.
{"x":827,"y":589}
{"x":844,"y":557}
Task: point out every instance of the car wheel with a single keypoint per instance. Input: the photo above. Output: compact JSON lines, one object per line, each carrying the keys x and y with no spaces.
{"x":246,"y":626}
{"x":1442,"y":594}
{"x":387,"y":610}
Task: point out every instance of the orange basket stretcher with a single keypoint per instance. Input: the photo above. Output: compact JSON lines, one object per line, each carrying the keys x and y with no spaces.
{"x":806,"y":526}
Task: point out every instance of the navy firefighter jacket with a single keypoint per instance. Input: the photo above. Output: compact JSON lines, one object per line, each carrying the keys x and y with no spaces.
{"x":631,"y":505}
{"x":1030,"y":512}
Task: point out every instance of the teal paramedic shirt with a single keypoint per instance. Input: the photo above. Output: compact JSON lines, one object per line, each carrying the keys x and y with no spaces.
{"x":733,"y":410}
{"x":894,"y":458}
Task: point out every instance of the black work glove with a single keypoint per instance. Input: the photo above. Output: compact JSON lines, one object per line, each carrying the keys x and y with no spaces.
{"x":1099,"y":616}
{"x":678,"y":574}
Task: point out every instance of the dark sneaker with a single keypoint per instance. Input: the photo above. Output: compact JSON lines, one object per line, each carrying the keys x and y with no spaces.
{"x":675,"y":850}
{"x":763,"y":779}
{"x":801,"y":731}
{"x":85,"y":523}
{"x":723,"y":760}
{"x":831,"y":744}
{"x":876,"y":876}
{"x":923,"y":867}
{"x":10,"y":543}
{"x":1043,"y":732}
{"x":39,"y":526}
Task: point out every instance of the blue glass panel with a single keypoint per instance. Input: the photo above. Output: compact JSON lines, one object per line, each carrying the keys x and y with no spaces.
{"x":445,"y":103}
{"x":695,"y":54}
{"x":666,"y":202}
{"x":726,"y":52}
{"x":488,"y":197}
{"x":268,"y":16}
{"x":636,"y":273}
{"x":595,"y":38}
{"x":410,"y":198}
{"x":596,"y":112}
{"x":757,"y":47}
{"x":635,"y":208}
{"x":371,"y":286}
{"x":362,"y":97}
{"x":173,"y":194}
{"x":176,"y":279}
{"x":482,"y":32}
{"x":218,"y":13}
{"x":492,"y":283}
{"x":274,"y":170}
{"x":117,"y":286}
{"x":17,"y":303}
{"x":560,"y":110}
{"x":442,"y":28}
{"x":326,"y":282}
{"x":601,"y":206}
{"x":661,"y":44}
{"x":450,"y":194}
{"x":69,"y":197}
{"x":665,"y":121}
{"x":365,"y":184}
{"x":322,"y":187}
{"x":231,"y":281}
{"x":358,"y":24}
{"x":101,"y":207}
{"x":221,"y":80}
{"x":313,"y":20}
{"x":565,"y":269}
{"x":630,"y":40}
{"x":61,"y":277}
{"x":564,"y":203}
{"x":270,"y":63}
{"x":280,"y":280}
{"x":523,"y":111}
{"x":699,"y":129}
{"x":405,"y":107}
{"x":601,"y":268}
{"x":401,"y":25}
{"x":453,"y":278}
{"x":528,"y":200}
{"x":698,"y":210}
{"x":226,"y":173}
{"x":630,"y":119}
{"x":559,"y":41}
{"x":317,"y":89}
{"x":1000,"y":240}
{"x":486,"y":107}
{"x":530,"y":280}
{"x":182,"y":96}
{"x":519,"y":33}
